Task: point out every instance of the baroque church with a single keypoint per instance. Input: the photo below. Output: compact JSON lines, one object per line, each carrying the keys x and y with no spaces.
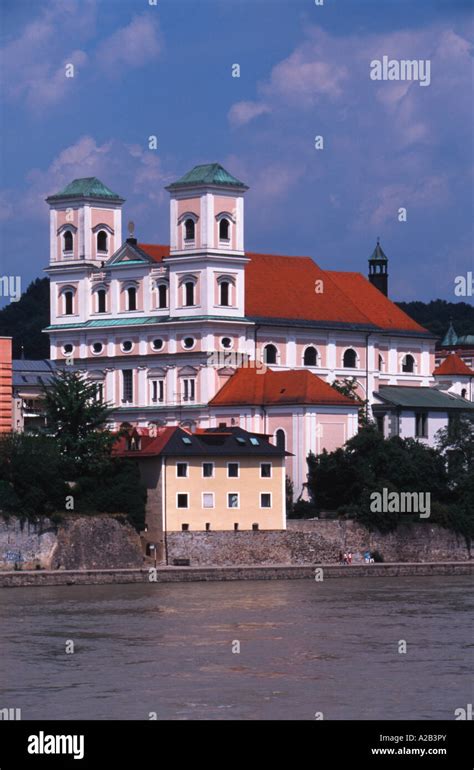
{"x":201,"y":333}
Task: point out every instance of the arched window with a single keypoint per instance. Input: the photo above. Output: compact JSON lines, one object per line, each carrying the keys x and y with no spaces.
{"x":68,"y":243}
{"x":131,"y":298}
{"x":189,"y":293}
{"x":350,"y":359}
{"x":380,"y":363}
{"x":463,"y":393}
{"x":270,"y":354}
{"x":408,"y":364}
{"x":189,"y":230}
{"x":224,"y":292}
{"x":68,"y":302}
{"x":102,"y":241}
{"x":162,"y":295}
{"x":310,"y":357}
{"x":280,"y":438}
{"x":224,"y":230}
{"x":101,"y":301}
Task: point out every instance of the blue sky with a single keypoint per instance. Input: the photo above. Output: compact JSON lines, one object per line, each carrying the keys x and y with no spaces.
{"x":166,"y":70}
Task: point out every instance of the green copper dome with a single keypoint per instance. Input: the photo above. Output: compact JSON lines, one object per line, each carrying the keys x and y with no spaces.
{"x":86,"y":187}
{"x":207,"y":174}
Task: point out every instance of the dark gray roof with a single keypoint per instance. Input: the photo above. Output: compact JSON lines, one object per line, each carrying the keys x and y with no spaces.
{"x":422,"y":398}
{"x":228,"y":441}
{"x":26,"y":372}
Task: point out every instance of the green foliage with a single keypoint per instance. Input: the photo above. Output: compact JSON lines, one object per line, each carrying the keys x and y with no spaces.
{"x":344,"y":480}
{"x":289,"y":493}
{"x":348,"y":387}
{"x":77,"y":420}
{"x":30,"y":478}
{"x":25,"y":319}
{"x":117,"y":489}
{"x":436,"y":315}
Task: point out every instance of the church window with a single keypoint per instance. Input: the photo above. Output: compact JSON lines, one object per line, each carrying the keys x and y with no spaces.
{"x":224,"y":230}
{"x":102,"y":241}
{"x":408,"y":364}
{"x":310,"y":356}
{"x":131,"y":298}
{"x":67,"y":241}
{"x":350,"y":359}
{"x":270,"y":354}
{"x":189,"y":230}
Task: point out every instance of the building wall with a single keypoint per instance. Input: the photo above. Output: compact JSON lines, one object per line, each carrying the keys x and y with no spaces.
{"x":6,"y":403}
{"x":249,"y":485}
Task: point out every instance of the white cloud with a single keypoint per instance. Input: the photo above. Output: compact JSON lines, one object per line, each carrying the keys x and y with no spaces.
{"x":243,"y":112}
{"x":131,"y":46}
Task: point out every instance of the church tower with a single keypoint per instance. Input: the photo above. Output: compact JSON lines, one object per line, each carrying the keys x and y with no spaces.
{"x":207,"y":258}
{"x":85,"y":223}
{"x":378,"y":269}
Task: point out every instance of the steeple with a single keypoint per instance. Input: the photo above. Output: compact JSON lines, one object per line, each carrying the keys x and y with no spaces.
{"x":378,"y":269}
{"x":450,"y":338}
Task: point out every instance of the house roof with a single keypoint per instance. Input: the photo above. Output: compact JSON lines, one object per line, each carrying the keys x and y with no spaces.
{"x":453,"y":364}
{"x":32,"y":373}
{"x":207,"y":174}
{"x":285,"y":288}
{"x":173,"y":441}
{"x":419,"y":397}
{"x":260,"y":388}
{"x":86,"y":187}
{"x":378,"y":254}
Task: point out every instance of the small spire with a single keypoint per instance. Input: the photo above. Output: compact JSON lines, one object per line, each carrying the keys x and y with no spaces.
{"x":22,"y":355}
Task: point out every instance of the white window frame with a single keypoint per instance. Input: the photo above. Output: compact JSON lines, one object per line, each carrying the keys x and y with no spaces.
{"x":193,"y":389}
{"x":233,"y":462}
{"x":213,"y":474}
{"x":271,"y":470}
{"x":233,"y":507}
{"x":180,"y":462}
{"x":208,"y":507}
{"x":182,"y":507}
{"x":265,"y":507}
{"x":160,"y":390}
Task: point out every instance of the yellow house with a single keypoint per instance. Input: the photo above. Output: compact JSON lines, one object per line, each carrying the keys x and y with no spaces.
{"x":222,"y":478}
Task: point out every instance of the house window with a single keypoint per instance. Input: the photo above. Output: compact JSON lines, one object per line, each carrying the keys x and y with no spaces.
{"x":265,"y":470}
{"x":208,"y":499}
{"x":224,"y":293}
{"x":131,"y":298}
{"x":265,"y":500}
{"x":255,"y":527}
{"x":189,"y":293}
{"x":68,"y":303}
{"x":280,"y":439}
{"x":189,"y":389}
{"x":182,"y":470}
{"x":208,"y":470}
{"x":233,"y":470}
{"x":184,"y":527}
{"x":349,"y":360}
{"x":101,"y":307}
{"x":310,"y":357}
{"x":162,"y":296}
{"x":270,"y":354}
{"x":102,"y":241}
{"x":408,"y":364}
{"x":127,"y":385}
{"x":182,"y":501}
{"x":67,"y":241}
{"x":224,"y":229}
{"x":421,"y":425}
{"x":189,"y":230}
{"x":157,"y":390}
{"x":233,"y":500}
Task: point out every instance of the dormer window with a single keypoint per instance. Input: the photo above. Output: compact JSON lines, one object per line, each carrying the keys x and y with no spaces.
{"x":189,"y":230}
{"x":224,"y":229}
{"x":102,"y":241}
{"x":67,"y":241}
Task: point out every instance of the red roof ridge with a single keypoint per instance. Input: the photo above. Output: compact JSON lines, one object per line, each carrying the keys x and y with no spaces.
{"x":453,"y":364}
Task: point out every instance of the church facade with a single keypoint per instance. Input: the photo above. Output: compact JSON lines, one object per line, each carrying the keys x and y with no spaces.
{"x":201,"y":332}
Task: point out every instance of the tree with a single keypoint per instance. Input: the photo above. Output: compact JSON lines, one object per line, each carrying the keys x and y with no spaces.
{"x":348,"y":387}
{"x":77,"y":420}
{"x":24,"y":321}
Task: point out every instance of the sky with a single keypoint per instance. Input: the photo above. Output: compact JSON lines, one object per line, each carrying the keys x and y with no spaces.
{"x":165,"y":70}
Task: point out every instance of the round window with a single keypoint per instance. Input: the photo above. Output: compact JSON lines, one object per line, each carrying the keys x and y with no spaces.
{"x":157,"y":344}
{"x":127,"y":346}
{"x":188,"y":342}
{"x":97,"y":347}
{"x":68,"y":348}
{"x":226,"y":342}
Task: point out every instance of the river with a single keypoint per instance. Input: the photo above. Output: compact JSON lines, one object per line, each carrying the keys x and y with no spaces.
{"x":306,"y":647}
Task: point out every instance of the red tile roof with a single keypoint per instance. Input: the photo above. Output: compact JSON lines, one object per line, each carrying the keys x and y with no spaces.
{"x":149,"y":445}
{"x":251,"y":386}
{"x":453,"y":364}
{"x":285,"y":287}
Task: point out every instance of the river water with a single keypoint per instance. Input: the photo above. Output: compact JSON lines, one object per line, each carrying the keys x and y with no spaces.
{"x":305,"y":647}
